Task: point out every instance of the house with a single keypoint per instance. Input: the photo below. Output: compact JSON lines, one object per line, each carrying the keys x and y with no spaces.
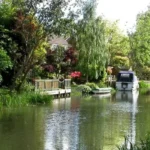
{"x":59,"y":41}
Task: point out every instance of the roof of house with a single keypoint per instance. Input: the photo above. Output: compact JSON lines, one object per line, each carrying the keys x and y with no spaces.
{"x":58,"y":40}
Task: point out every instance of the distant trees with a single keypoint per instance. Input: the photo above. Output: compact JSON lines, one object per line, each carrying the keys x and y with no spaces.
{"x":95,"y":42}
{"x":140,"y":45}
{"x":118,"y":46}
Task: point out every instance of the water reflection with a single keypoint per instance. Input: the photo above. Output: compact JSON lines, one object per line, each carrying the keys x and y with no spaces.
{"x":22,"y":129}
{"x":77,"y":123}
{"x":127,"y":95}
{"x":62,"y":126}
{"x":130,"y":98}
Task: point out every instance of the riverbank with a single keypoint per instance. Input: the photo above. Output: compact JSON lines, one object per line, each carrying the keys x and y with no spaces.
{"x":144,"y":87}
{"x":14,"y":99}
{"x":30,"y":97}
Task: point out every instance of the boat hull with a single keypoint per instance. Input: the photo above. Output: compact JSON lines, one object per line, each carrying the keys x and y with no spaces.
{"x":101,"y":90}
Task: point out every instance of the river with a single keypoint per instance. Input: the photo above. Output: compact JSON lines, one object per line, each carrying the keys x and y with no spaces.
{"x":76,"y":123}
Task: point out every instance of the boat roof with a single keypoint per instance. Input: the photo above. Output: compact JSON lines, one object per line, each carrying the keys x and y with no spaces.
{"x":131,"y":72}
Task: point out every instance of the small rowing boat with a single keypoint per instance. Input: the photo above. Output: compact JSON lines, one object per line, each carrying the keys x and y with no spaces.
{"x":101,"y":90}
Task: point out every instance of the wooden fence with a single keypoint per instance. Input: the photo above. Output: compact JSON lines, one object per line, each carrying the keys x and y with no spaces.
{"x":53,"y":84}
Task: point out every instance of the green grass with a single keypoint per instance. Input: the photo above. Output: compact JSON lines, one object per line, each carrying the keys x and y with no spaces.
{"x":11,"y":99}
{"x":144,"y":87}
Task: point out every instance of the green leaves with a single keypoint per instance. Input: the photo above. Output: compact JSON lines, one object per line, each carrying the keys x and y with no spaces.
{"x":5,"y":61}
{"x":90,"y":42}
{"x":117,"y":44}
{"x":140,"y":41}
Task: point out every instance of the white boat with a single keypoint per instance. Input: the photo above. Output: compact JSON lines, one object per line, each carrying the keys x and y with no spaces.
{"x":127,"y":81}
{"x":102,"y":90}
{"x":105,"y":95}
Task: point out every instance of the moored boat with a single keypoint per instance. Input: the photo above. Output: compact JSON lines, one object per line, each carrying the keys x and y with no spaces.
{"x":101,"y":90}
{"x":127,"y":81}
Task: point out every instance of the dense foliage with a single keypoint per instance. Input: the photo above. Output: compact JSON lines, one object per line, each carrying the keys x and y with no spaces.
{"x":139,"y":42}
{"x":26,"y":27}
{"x":118,"y":45}
{"x":90,"y":43}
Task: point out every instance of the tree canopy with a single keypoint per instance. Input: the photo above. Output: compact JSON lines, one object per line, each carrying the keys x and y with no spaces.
{"x":90,"y":43}
{"x":117,"y":44}
{"x":140,"y":43}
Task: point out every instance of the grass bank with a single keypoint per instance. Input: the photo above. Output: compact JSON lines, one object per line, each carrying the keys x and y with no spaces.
{"x":144,"y":87}
{"x":15,"y":99}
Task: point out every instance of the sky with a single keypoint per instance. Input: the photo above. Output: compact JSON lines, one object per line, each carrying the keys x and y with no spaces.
{"x":123,"y":10}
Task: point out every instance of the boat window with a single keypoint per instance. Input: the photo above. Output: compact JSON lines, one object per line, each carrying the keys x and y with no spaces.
{"x":125,"y":77}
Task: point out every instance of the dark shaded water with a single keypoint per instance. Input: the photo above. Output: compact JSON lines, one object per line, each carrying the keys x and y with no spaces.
{"x":77,"y":123}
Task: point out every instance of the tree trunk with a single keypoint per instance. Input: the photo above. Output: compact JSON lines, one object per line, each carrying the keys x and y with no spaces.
{"x":21,"y":74}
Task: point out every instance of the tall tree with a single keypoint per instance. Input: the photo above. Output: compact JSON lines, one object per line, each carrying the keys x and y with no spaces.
{"x":141,"y":39}
{"x":28,"y":28}
{"x":55,"y":15}
{"x":23,"y":39}
{"x":90,"y":42}
{"x":117,"y":44}
{"x":140,"y":43}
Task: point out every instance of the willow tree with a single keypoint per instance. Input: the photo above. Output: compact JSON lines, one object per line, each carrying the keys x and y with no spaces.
{"x":90,"y":43}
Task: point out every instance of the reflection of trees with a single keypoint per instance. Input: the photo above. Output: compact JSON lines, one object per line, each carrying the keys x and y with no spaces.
{"x":92,"y":125}
{"x":62,"y":125}
{"x":103,"y":124}
{"x":143,"y":117}
{"x":22,"y":129}
{"x":129,"y":98}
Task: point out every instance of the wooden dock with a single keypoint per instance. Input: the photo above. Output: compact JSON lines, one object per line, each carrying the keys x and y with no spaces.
{"x":54,"y":87}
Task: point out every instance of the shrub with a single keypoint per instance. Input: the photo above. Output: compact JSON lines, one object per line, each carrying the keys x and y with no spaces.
{"x":143,"y":73}
{"x":101,"y":84}
{"x":143,"y":84}
{"x":27,"y":87}
{"x":91,"y":85}
{"x":84,"y":88}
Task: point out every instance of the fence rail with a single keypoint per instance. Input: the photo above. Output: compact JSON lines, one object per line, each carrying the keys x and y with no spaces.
{"x":53,"y":84}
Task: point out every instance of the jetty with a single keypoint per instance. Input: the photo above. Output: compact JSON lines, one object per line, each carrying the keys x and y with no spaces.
{"x":55,"y":87}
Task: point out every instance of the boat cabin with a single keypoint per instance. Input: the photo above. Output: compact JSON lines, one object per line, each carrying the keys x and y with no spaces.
{"x":127,"y":80}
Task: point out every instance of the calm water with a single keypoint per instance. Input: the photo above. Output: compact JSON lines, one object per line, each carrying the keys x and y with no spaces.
{"x":77,"y":123}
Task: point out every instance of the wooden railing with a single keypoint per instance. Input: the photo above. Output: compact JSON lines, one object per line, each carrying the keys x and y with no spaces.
{"x":67,"y":83}
{"x":53,"y":84}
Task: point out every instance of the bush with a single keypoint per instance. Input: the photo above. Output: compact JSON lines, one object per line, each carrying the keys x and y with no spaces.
{"x":92,"y":85}
{"x":143,"y":84}
{"x":143,"y":73}
{"x":84,"y":88}
{"x":27,"y":87}
{"x":102,"y":84}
